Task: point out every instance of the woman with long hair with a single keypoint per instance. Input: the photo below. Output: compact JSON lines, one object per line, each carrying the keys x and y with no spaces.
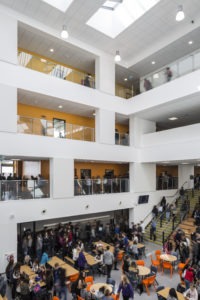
{"x":126,"y":288}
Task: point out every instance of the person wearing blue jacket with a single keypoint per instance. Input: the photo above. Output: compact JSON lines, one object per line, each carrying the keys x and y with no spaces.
{"x":126,"y":288}
{"x":44,"y":258}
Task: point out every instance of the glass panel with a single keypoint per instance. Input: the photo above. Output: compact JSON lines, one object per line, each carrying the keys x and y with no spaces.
{"x":186,"y":65}
{"x":59,"y":128}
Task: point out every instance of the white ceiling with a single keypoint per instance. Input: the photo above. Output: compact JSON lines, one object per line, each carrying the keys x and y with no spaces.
{"x":155,"y":36}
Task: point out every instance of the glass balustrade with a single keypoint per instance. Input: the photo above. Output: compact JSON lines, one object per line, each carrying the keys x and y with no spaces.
{"x":122,"y":139}
{"x":54,"y":69}
{"x":100,"y":186}
{"x":23,"y":189}
{"x":178,"y":68}
{"x":167,"y":183}
{"x":46,"y":128}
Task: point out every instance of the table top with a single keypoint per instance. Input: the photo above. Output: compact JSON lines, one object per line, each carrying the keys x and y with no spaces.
{"x":168,"y":257}
{"x":142,"y":271}
{"x":139,"y":245}
{"x":31,"y":274}
{"x":96,"y":286}
{"x":165,"y":292}
{"x":55,"y":260}
{"x":91,"y":261}
{"x":104,"y":245}
{"x":69,"y":270}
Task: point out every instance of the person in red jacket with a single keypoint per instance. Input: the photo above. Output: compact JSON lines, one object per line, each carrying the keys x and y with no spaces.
{"x":188,"y":277}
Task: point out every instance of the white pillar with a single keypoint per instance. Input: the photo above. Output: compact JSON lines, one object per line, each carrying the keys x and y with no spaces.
{"x":62,"y":178}
{"x":131,"y":216}
{"x":105,"y":74}
{"x":184,"y":173}
{"x":8,"y":35}
{"x":105,"y":127}
{"x":8,"y":108}
{"x":138,"y":127}
{"x":144,"y":177}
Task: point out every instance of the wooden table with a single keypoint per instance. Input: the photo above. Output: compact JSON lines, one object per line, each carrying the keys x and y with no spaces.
{"x":142,"y":271}
{"x":168,"y":257}
{"x":69,"y":270}
{"x":91,"y":261}
{"x":165,"y":293}
{"x":104,"y":245}
{"x":96,"y":286}
{"x":55,"y":260}
{"x":31,"y":274}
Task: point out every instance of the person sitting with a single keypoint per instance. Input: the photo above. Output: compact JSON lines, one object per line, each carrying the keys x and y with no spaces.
{"x":191,"y":293}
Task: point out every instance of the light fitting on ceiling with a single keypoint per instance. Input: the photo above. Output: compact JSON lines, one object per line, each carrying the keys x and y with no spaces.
{"x":180,"y":13}
{"x":117,"y":56}
{"x":173,"y":118}
{"x":190,"y":42}
{"x":64,"y":33}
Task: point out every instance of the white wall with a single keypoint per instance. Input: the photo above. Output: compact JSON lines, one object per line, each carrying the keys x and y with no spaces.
{"x":137,"y":128}
{"x":8,"y":108}
{"x":184,"y":172}
{"x":8,"y":34}
{"x":105,"y":127}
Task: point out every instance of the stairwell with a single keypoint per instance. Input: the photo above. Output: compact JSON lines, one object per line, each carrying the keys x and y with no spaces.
{"x":167,"y":227}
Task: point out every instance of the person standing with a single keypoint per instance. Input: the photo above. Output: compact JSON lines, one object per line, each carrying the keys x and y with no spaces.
{"x":108,"y":259}
{"x":153,"y":230}
{"x":126,"y":288}
{"x":168,"y":74}
{"x":147,"y":85}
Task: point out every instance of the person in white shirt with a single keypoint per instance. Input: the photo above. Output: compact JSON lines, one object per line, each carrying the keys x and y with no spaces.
{"x":191,"y":293}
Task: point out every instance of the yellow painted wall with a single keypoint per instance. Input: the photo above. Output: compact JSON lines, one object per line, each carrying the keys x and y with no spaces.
{"x":38,"y":112}
{"x":98,"y":169}
{"x":171,"y":170}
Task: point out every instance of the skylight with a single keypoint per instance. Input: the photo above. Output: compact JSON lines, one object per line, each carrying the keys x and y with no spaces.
{"x":62,"y":5}
{"x":115,"y":16}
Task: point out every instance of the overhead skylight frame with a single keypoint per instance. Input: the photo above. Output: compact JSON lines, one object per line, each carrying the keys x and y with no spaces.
{"x":119,"y":15}
{"x":61,"y":5}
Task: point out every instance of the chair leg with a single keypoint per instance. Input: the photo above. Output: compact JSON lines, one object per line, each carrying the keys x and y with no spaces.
{"x":147,"y":290}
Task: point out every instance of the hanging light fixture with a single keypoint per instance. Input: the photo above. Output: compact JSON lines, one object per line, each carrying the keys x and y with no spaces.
{"x":180,"y":13}
{"x":117,"y":56}
{"x":64,"y":33}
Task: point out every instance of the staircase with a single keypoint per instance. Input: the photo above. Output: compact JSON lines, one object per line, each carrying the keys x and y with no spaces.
{"x":187,"y":225}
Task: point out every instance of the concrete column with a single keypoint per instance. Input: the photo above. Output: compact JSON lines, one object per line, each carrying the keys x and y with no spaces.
{"x":184,"y":173}
{"x":105,"y":74}
{"x":144,"y":177}
{"x":105,"y":127}
{"x":8,"y":35}
{"x":62,"y":178}
{"x":138,"y":127}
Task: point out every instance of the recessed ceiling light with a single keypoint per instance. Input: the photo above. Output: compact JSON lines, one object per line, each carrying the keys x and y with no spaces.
{"x":153,"y":62}
{"x":165,"y":162}
{"x":43,"y":60}
{"x":184,"y":163}
{"x":51,"y":50}
{"x":125,"y":79}
{"x":172,"y":118}
{"x":190,"y":42}
{"x":60,"y":106}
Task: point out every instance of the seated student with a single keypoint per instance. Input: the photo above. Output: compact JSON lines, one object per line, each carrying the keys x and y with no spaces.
{"x":191,"y":293}
{"x":107,"y":295}
{"x":172,"y":294}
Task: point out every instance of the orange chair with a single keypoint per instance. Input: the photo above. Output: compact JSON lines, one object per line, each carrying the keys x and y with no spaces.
{"x":148,"y":282}
{"x":79,"y":297}
{"x":158,"y":252}
{"x":89,"y":280}
{"x":140,"y":262}
{"x":115,"y":297}
{"x":74,"y":277}
{"x":182,"y":265}
{"x":155,"y":262}
{"x":167,"y":265}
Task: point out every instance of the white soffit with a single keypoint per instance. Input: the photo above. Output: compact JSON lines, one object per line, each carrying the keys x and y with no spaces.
{"x":61,"y":5}
{"x":115,"y":16}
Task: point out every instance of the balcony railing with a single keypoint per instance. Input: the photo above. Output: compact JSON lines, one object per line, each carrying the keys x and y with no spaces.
{"x":51,"y":68}
{"x":45,"y":127}
{"x":178,"y":68}
{"x":122,"y":139}
{"x":23,"y":189}
{"x":166,"y":183}
{"x":100,"y":186}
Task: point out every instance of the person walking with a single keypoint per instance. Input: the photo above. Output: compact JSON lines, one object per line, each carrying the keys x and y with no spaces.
{"x":126,"y":288}
{"x":108,"y":259}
